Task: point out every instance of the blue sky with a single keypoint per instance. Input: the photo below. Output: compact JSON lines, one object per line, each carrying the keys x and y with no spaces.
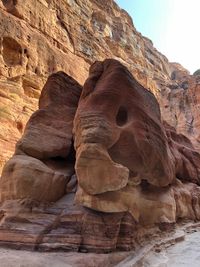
{"x":172,"y":25}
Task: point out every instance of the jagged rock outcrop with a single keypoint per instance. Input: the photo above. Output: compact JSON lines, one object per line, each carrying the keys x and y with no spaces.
{"x":180,"y":105}
{"x":42,"y":37}
{"x":134,"y":173}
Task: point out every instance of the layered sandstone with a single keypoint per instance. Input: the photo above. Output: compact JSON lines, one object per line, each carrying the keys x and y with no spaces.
{"x":45,"y":36}
{"x":133,"y":175}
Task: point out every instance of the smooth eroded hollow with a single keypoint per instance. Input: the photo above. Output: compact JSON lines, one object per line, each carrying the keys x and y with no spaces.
{"x":122,"y":116}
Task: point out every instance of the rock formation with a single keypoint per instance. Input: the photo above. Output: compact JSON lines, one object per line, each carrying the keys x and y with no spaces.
{"x":40,"y":37}
{"x":117,"y":118}
{"x":180,"y":105}
{"x":130,"y":172}
{"x":122,"y":146}
{"x":42,"y":163}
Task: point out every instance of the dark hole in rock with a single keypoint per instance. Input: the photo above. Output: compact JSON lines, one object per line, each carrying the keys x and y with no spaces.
{"x":72,"y":154}
{"x":145,"y":185}
{"x":61,"y":165}
{"x":122,"y":116}
{"x":12,"y":52}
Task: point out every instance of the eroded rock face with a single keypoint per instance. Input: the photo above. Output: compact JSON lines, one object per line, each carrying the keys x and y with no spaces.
{"x":25,"y":177}
{"x":43,"y":160}
{"x":133,"y":171}
{"x":117,"y":118}
{"x":180,"y":104}
{"x":124,"y":153}
{"x":49,"y":131}
{"x":43,"y":37}
{"x":186,"y":157}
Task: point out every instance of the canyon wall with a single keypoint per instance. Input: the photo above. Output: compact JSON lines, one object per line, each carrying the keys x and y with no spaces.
{"x":40,"y":37}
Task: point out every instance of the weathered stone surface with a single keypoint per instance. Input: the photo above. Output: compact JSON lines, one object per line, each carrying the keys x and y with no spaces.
{"x":13,"y":258}
{"x":43,"y":160}
{"x":48,"y":133}
{"x":65,"y":226}
{"x":186,"y":157}
{"x":25,"y":177}
{"x":61,"y":226}
{"x":116,"y":116}
{"x":147,"y":206}
{"x":96,"y":171}
{"x":135,"y":175}
{"x":40,"y":38}
{"x":123,"y":119}
{"x":179,"y":103}
{"x":138,"y":159}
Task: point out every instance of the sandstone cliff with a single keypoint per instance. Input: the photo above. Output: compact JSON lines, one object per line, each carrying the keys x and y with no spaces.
{"x":45,"y":36}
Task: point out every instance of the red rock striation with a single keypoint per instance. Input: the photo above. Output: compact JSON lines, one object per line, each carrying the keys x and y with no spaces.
{"x":133,"y":174}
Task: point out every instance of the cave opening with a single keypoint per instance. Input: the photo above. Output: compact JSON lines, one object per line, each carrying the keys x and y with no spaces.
{"x":122,"y":116}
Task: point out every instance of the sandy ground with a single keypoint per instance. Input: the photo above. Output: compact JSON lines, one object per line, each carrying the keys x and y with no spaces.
{"x":183,"y":254}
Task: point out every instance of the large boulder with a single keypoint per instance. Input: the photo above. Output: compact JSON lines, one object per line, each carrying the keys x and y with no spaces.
{"x":25,"y":177}
{"x":119,"y":119}
{"x":48,"y":132}
{"x":131,"y":175}
{"x":44,"y":157}
{"x":127,"y":159}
